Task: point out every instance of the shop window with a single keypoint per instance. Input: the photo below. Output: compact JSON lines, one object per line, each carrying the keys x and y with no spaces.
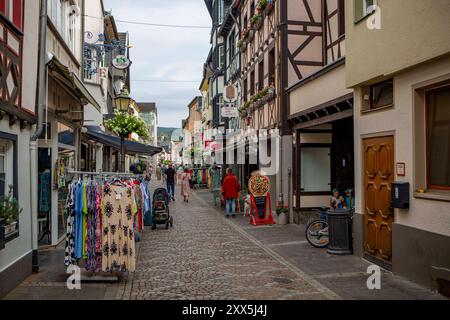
{"x":438,"y":138}
{"x":8,"y":179}
{"x":378,"y":96}
{"x":315,"y":169}
{"x":363,"y":8}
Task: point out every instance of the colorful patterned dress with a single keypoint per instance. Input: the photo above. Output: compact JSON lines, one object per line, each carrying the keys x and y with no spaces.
{"x":118,"y":212}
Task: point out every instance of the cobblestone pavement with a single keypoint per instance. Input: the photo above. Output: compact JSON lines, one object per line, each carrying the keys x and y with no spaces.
{"x":205,"y":256}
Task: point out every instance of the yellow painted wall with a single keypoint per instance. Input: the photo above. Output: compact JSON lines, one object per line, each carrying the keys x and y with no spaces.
{"x":412,"y":32}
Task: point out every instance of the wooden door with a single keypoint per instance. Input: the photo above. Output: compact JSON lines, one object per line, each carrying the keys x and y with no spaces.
{"x":379,"y":215}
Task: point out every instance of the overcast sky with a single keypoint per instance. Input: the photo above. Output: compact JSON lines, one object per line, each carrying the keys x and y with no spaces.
{"x":168,"y":54}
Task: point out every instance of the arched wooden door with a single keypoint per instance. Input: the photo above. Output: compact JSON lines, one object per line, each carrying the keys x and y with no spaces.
{"x":379,"y":215}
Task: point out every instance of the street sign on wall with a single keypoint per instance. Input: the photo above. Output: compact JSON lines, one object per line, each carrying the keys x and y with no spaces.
{"x":230,"y":111}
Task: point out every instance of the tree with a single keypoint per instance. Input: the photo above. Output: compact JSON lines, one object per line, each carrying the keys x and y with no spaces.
{"x":125,"y":124}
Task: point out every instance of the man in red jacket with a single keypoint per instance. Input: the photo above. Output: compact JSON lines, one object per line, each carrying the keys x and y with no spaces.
{"x":230,"y":190}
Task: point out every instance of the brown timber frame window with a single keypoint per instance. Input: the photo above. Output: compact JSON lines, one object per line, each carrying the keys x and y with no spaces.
{"x":272,"y":66}
{"x":438,"y":138}
{"x":252,"y":83}
{"x":261,"y":75}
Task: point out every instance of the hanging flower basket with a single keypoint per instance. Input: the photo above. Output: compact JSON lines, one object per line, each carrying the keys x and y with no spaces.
{"x":251,"y":35}
{"x":271,"y":94}
{"x":259,"y":22}
{"x":243,"y":47}
{"x":269,"y":7}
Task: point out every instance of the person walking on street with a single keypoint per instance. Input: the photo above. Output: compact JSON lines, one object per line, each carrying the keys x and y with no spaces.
{"x":185,"y":185}
{"x":170,"y":175}
{"x":230,"y":190}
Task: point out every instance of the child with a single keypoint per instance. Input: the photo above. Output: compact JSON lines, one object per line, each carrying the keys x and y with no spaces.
{"x":337,"y":201}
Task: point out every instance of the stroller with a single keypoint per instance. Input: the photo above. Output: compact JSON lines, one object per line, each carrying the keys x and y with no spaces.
{"x":160,"y":209}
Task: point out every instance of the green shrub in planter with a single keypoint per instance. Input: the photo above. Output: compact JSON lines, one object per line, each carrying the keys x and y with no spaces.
{"x":10,"y":211}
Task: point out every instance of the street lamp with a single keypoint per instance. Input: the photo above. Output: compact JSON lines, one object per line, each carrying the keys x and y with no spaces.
{"x":122,"y":103}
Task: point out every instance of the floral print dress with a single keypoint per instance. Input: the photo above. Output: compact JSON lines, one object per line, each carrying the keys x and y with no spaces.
{"x":118,"y":243}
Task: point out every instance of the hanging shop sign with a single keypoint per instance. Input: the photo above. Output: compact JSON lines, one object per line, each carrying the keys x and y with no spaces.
{"x":230,"y":111}
{"x":231,"y":94}
{"x":121,"y":62}
{"x":260,"y":204}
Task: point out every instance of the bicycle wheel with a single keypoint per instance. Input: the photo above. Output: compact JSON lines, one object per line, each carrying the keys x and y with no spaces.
{"x":317,"y":233}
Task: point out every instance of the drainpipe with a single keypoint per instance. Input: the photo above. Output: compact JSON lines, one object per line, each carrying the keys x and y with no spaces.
{"x":40,"y":110}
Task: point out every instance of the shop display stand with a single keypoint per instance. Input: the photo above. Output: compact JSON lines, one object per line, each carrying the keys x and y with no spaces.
{"x":102,"y":277}
{"x":255,"y":218}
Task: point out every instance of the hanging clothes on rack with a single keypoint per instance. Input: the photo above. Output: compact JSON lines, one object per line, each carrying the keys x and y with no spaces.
{"x":93,"y":228}
{"x":70,"y":259}
{"x":78,"y":195}
{"x":44,"y":191}
{"x":118,"y":212}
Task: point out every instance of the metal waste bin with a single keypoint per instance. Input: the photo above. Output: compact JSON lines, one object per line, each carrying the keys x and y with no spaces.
{"x":340,"y":232}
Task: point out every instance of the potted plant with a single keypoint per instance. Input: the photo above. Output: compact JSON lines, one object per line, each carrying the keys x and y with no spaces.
{"x":257,"y":21}
{"x":262,"y":5}
{"x":9,"y":213}
{"x":242,"y":45}
{"x":282,"y":214}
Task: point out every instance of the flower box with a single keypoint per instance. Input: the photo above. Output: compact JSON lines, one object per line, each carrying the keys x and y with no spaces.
{"x":259,"y":23}
{"x":10,"y":230}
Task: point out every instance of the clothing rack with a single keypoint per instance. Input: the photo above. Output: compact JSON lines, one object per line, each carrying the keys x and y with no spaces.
{"x":107,"y":174}
{"x":102,"y":277}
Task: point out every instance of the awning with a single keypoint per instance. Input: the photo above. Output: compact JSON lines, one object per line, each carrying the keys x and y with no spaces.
{"x":131,"y":147}
{"x":77,"y":84}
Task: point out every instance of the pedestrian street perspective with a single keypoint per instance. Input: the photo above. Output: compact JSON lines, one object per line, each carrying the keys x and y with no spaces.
{"x":225,"y":150}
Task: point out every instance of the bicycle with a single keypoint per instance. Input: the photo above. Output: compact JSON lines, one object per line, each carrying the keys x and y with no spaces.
{"x":317,"y":230}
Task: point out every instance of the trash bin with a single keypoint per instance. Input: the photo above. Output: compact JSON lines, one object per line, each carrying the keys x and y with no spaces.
{"x":340,"y":232}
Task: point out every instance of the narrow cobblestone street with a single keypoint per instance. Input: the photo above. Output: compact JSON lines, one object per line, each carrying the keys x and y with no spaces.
{"x":206,"y":256}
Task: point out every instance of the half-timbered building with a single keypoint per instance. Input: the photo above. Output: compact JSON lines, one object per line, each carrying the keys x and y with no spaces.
{"x":319,"y":106}
{"x":18,"y":75}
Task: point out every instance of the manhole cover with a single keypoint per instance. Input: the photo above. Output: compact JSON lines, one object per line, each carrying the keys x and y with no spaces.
{"x":282,"y":280}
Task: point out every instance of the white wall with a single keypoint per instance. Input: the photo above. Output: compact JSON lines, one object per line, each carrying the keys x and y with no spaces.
{"x":429,"y":215}
{"x":30,"y":54}
{"x":21,"y":246}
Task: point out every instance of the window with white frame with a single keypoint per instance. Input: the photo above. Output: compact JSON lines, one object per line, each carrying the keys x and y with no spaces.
{"x":363,"y":8}
{"x":315,"y":169}
{"x":64,"y":17}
